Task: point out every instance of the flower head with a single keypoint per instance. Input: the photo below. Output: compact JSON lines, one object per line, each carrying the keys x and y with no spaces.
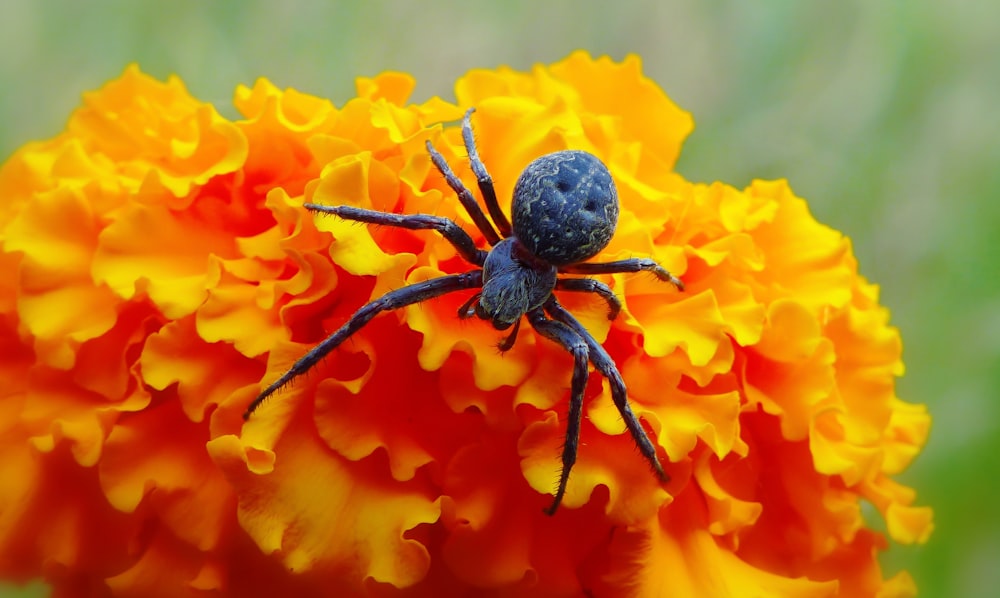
{"x":158,"y":267}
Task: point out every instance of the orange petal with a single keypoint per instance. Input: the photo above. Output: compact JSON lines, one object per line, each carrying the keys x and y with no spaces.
{"x":673,"y":555}
{"x":148,"y":126}
{"x":158,"y":457}
{"x":57,"y":301}
{"x":498,"y":536}
{"x":205,"y":374}
{"x":608,"y":461}
{"x":382,"y":399}
{"x":356,"y":526}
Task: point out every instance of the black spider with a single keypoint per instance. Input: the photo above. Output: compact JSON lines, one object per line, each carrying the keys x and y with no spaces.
{"x":565,"y":210}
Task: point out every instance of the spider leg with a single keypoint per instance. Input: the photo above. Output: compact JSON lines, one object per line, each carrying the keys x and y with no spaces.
{"x":452,"y":232}
{"x":577,"y":347}
{"x":507,"y":343}
{"x":464,"y":196}
{"x":467,"y":310}
{"x":408,"y":295}
{"x":483,"y":177}
{"x":589,"y":285}
{"x":635,"y":264}
{"x":604,"y":364}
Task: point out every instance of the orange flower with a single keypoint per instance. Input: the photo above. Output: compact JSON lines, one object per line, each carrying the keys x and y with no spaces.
{"x":157,"y":268}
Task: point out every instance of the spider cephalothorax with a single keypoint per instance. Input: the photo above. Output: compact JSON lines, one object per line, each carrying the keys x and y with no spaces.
{"x":564,"y":210}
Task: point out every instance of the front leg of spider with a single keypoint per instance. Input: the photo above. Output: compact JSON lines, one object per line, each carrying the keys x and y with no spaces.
{"x":408,"y":295}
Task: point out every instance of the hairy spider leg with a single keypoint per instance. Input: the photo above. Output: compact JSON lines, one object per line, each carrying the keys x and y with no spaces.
{"x":606,"y":366}
{"x":454,"y":233}
{"x":465,"y":196}
{"x":589,"y":285}
{"x":415,"y":293}
{"x":508,"y":342}
{"x":635,"y":264}
{"x":467,"y":309}
{"x":577,"y":347}
{"x":483,"y":177}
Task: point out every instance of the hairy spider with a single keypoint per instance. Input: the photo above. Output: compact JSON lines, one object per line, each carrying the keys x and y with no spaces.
{"x":564,"y":211}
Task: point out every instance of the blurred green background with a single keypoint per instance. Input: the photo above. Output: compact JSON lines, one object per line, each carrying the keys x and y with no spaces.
{"x":884,"y":114}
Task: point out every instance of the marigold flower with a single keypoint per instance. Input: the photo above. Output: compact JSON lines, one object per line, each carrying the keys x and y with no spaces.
{"x":157,"y":267}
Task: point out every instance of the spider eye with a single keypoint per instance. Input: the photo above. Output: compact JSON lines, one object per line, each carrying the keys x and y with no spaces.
{"x":565,"y":207}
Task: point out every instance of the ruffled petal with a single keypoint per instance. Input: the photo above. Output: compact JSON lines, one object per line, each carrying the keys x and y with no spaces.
{"x":355,"y":529}
{"x":673,"y":555}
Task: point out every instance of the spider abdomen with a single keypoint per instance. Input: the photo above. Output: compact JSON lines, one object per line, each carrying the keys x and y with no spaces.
{"x":565,"y":207}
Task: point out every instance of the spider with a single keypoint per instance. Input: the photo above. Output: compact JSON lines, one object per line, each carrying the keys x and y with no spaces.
{"x":564,"y":211}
